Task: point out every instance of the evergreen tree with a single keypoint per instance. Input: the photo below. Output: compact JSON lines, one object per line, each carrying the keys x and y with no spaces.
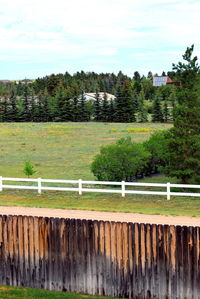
{"x":75,"y":109}
{"x":150,"y":75}
{"x":142,"y":112}
{"x":13,"y":107}
{"x":45,"y":106}
{"x":111,"y":111}
{"x":4,"y":108}
{"x":105,"y":108}
{"x":166,"y":114}
{"x":60,"y":103}
{"x":97,"y":107}
{"x":67,"y":108}
{"x":33,"y":109}
{"x":137,"y":76}
{"x":184,"y":137}
{"x":25,"y":115}
{"x":157,"y":115}
{"x":125,"y":110}
{"x":84,"y":115}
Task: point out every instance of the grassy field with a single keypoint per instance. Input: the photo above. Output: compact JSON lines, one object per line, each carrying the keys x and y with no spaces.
{"x":65,"y":151}
{"x":61,"y":150}
{"x":23,"y":293}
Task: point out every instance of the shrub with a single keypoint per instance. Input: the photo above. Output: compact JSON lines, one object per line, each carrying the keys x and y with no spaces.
{"x":125,"y":160}
{"x":156,"y":145}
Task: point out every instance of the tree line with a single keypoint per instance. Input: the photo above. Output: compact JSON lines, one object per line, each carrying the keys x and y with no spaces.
{"x":61,"y":98}
{"x":175,"y":151}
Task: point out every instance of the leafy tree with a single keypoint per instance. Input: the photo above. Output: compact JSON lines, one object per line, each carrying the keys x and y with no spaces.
{"x":156,"y":145}
{"x":184,"y":137}
{"x":124,"y":160}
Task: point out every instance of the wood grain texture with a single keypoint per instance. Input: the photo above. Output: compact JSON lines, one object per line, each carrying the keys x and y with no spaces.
{"x":128,"y":260}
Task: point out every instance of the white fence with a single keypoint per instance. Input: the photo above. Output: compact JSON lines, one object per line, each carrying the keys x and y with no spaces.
{"x":81,"y":188}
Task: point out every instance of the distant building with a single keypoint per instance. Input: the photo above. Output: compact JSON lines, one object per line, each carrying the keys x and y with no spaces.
{"x":5,"y":81}
{"x":92,"y":96}
{"x":163,"y":80}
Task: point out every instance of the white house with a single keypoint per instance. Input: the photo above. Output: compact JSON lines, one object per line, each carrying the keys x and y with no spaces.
{"x":92,"y":96}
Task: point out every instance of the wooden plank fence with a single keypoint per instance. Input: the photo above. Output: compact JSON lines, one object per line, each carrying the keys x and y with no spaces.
{"x":85,"y":186}
{"x":128,"y":260}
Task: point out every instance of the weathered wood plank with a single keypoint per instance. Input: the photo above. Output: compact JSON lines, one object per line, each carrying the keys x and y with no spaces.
{"x":21,"y":250}
{"x":15,"y":251}
{"x":97,"y":257}
{"x":102,"y":257}
{"x":26,"y":252}
{"x":36,"y":252}
{"x":31,"y":251}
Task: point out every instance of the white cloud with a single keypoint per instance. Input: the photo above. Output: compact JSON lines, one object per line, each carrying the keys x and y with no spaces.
{"x":46,"y":31}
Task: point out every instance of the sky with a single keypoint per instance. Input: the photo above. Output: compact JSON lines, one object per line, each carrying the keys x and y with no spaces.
{"x":41,"y":37}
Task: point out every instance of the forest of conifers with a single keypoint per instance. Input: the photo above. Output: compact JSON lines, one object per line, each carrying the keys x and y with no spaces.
{"x":61,"y":98}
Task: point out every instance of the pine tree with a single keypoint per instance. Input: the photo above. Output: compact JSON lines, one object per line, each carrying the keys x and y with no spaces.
{"x":142,"y":111}
{"x":166,"y":114}
{"x":111,"y":111}
{"x":60,"y":104}
{"x":25,"y":115}
{"x":4,"y":109}
{"x":84,"y":115}
{"x":105,"y":108}
{"x":33,"y":107}
{"x":125,"y":110}
{"x":157,"y":115}
{"x":184,"y":137}
{"x":45,"y":106}
{"x":150,"y":75}
{"x":75,"y":109}
{"x":97,"y":107}
{"x":13,"y":107}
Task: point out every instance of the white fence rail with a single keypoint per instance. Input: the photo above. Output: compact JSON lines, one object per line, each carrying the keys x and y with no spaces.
{"x":39,"y":186}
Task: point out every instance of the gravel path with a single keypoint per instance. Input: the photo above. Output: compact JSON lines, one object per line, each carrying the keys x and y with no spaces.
{"x":106,"y":216}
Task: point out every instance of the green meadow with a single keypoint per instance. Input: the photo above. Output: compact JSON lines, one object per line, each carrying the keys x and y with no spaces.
{"x":65,"y":151}
{"x":61,"y":150}
{"x":23,"y":293}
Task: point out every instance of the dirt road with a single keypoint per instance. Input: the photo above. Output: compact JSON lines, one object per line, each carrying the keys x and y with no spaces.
{"x":106,"y":216}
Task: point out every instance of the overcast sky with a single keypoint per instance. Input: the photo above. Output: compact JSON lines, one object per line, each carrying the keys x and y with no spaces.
{"x":41,"y":37}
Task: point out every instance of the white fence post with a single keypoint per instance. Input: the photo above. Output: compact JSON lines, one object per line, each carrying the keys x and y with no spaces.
{"x":123,"y":189}
{"x":39,"y":186}
{"x":80,"y":187}
{"x":168,"y":191}
{"x":1,"y":184}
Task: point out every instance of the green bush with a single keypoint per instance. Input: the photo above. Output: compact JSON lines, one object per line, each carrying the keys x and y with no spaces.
{"x":156,"y":145}
{"x":125,"y":160}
